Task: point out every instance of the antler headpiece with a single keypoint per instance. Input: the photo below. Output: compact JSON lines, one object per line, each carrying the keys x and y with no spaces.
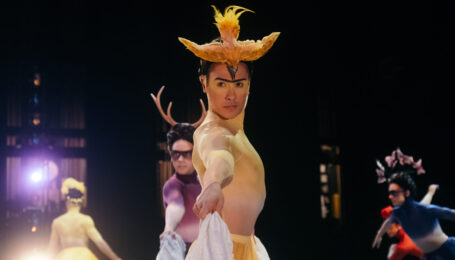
{"x":398,"y":162}
{"x":229,"y":50}
{"x":168,"y":117}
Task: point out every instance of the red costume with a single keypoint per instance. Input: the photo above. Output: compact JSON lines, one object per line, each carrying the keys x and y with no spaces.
{"x":405,"y":246}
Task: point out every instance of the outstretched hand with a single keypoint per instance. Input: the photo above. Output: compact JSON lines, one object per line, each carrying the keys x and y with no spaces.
{"x":168,"y":231}
{"x":210,"y":200}
{"x":432,"y":188}
{"x":377,"y":242}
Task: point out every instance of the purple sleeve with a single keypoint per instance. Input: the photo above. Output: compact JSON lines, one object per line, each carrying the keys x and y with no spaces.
{"x":172,"y":193}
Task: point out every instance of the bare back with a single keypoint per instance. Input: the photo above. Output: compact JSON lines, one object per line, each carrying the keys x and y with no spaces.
{"x":72,"y":229}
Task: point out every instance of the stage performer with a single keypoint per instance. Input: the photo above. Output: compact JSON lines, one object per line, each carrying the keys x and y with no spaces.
{"x":71,"y":231}
{"x":181,"y":190}
{"x":405,"y":248}
{"x":420,"y":221}
{"x":229,"y":168}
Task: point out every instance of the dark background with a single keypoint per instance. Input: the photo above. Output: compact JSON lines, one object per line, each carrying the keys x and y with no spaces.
{"x":381,"y":70}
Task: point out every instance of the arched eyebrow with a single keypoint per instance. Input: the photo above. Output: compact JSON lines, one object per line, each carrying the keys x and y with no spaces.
{"x":231,"y":81}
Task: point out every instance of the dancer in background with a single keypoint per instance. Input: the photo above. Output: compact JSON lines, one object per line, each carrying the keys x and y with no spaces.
{"x":71,"y":231}
{"x":420,"y":221}
{"x":405,"y":248}
{"x":230,"y":170}
{"x":181,"y":190}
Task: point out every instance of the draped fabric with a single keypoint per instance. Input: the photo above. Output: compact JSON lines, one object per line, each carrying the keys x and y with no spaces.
{"x":215,"y":242}
{"x":172,"y":248}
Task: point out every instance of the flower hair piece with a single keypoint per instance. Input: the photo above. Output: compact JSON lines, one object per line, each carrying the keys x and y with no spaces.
{"x":73,"y":190}
{"x":398,"y":162}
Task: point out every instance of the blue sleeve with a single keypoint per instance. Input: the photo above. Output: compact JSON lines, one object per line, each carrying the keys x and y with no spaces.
{"x":441,"y":212}
{"x":393,"y":218}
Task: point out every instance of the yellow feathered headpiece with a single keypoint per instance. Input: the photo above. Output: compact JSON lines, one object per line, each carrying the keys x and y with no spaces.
{"x":71,"y":183}
{"x":229,"y":50}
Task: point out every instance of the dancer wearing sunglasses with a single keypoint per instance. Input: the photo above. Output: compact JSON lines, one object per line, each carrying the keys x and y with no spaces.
{"x":405,"y":248}
{"x":181,"y":190}
{"x":420,"y":221}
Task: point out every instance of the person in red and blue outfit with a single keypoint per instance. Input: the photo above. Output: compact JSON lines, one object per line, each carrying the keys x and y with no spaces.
{"x":420,"y":221}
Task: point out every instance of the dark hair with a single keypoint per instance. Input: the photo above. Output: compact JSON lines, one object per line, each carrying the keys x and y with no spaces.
{"x":204,"y":67}
{"x":405,"y":181}
{"x":179,"y":131}
{"x":74,"y":193}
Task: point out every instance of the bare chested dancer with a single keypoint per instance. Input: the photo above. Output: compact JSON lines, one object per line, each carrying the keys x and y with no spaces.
{"x":230,"y":170}
{"x":72,"y":230}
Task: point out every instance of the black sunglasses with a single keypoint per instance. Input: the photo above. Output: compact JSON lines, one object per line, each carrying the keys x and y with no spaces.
{"x":175,"y":155}
{"x":395,"y":193}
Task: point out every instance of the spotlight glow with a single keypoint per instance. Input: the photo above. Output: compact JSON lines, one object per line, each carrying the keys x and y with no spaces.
{"x":36,"y":176}
{"x":35,"y":255}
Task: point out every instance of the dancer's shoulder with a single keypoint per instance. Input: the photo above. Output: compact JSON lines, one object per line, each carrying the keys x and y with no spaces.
{"x":210,"y":132}
{"x":213,"y":127}
{"x":172,"y":183}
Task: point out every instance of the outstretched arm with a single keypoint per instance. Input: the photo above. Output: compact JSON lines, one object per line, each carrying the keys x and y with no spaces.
{"x":53,"y":246}
{"x":214,"y":147}
{"x":175,"y":209}
{"x":437,"y":211}
{"x":174,"y":214}
{"x":429,"y":196}
{"x":214,"y":144}
{"x":384,"y":227}
{"x":441,"y":212}
{"x":96,"y":237}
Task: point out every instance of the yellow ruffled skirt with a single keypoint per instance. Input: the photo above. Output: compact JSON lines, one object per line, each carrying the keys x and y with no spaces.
{"x":76,"y":253}
{"x":244,"y":247}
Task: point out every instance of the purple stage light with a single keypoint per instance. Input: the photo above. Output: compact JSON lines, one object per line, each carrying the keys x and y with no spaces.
{"x":37,"y":176}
